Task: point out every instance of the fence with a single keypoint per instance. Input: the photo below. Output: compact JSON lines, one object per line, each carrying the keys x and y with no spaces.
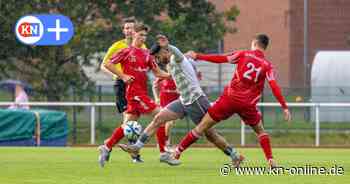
{"x":93,"y":105}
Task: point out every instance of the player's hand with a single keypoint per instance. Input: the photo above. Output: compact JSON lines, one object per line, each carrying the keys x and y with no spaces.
{"x":162,"y":40}
{"x":287,"y":115}
{"x":191,"y":54}
{"x":128,"y":79}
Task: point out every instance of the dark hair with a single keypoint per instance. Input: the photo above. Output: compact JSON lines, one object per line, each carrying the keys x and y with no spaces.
{"x":129,"y":20}
{"x":263,"y":40}
{"x":141,"y":27}
{"x":155,"y":49}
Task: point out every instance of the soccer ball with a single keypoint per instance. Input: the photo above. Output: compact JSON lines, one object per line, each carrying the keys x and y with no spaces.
{"x":132,"y":130}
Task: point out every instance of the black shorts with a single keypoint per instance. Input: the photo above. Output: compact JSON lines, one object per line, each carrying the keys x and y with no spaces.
{"x":120,"y":100}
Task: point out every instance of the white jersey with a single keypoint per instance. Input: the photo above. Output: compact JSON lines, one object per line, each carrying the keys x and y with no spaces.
{"x":185,"y":77}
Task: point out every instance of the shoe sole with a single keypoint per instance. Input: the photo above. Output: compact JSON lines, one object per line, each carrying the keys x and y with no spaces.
{"x":169,"y":163}
{"x":131,"y":152}
{"x":100,"y":160}
{"x":241,"y":161}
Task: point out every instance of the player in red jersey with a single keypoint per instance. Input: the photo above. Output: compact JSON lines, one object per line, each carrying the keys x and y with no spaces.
{"x":136,"y":62}
{"x":241,"y":95}
{"x":164,"y":91}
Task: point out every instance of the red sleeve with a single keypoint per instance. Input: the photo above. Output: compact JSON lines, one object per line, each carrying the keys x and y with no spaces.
{"x":151,"y":62}
{"x":276,"y":90}
{"x":212,"y":58}
{"x":230,"y":58}
{"x":120,"y":56}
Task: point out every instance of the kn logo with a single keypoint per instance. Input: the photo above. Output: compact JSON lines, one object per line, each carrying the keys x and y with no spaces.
{"x":44,"y":29}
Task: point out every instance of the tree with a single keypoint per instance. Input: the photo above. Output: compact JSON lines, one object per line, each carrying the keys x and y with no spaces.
{"x":191,"y":24}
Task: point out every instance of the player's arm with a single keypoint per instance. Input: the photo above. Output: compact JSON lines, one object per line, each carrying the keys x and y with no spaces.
{"x":199,"y":73}
{"x":155,"y":90}
{"x":276,"y":90}
{"x":111,"y":50}
{"x":215,"y":58}
{"x":104,"y":69}
{"x":160,"y":73}
{"x":177,"y":54}
{"x":116,"y":59}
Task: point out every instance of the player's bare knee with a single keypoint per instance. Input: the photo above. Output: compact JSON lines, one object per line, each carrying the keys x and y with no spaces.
{"x":159,"y":119}
{"x":258,"y":128}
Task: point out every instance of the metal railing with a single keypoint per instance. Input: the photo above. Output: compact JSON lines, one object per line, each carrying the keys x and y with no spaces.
{"x":93,"y":106}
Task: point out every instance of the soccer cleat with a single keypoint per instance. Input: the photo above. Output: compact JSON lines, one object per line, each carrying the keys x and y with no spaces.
{"x":238,"y":161}
{"x":168,"y":158}
{"x":104,"y":155}
{"x":169,"y":149}
{"x":272,"y":163}
{"x":132,"y":149}
{"x":176,"y":154}
{"x":137,"y":159}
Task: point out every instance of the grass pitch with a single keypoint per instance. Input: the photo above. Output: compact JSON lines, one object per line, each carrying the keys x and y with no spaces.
{"x":200,"y":165}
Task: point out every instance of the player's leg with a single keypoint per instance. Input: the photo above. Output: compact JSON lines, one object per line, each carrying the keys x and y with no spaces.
{"x":168,"y":126}
{"x":196,"y":111}
{"x":265,"y":143}
{"x":117,"y":135}
{"x":161,"y":138}
{"x":251,"y":116}
{"x":160,"y":133}
{"x":221,"y":110}
{"x":171,"y":112}
{"x":121,"y":102}
{"x":220,"y":142}
{"x":192,"y":136}
{"x":158,"y":124}
{"x":166,"y":99}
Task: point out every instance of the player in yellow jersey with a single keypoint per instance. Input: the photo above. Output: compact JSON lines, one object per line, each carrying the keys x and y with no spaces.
{"x":119,"y":86}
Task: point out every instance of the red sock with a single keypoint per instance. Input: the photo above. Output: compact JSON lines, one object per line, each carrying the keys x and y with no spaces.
{"x":186,"y":142}
{"x":161,"y":138}
{"x":116,"y":136}
{"x":264,"y":141}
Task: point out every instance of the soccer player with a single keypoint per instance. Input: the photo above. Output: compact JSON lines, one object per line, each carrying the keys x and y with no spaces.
{"x":119,"y":86}
{"x":164,"y":91}
{"x":193,"y":103}
{"x":135,"y":61}
{"x":241,"y":95}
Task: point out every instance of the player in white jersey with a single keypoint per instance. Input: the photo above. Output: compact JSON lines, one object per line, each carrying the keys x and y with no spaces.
{"x":193,"y":103}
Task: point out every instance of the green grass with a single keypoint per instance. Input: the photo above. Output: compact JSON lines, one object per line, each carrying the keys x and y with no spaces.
{"x":200,"y":165}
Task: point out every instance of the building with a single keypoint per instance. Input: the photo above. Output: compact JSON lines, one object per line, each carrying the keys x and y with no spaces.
{"x":283,"y":21}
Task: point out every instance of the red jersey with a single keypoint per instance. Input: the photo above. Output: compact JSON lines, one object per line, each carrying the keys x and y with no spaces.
{"x":167,"y":91}
{"x":135,"y":62}
{"x":166,"y":86}
{"x":248,"y":80}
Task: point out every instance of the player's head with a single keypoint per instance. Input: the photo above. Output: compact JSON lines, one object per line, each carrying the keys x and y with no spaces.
{"x":128,"y":26}
{"x":260,"y":41}
{"x":162,"y":54}
{"x":140,"y":33}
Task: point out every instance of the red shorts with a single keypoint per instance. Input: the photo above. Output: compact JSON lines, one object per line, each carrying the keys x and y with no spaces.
{"x":141,"y":104}
{"x":167,"y":98}
{"x":224,"y":107}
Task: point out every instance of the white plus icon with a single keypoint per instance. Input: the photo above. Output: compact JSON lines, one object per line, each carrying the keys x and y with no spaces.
{"x":57,"y":29}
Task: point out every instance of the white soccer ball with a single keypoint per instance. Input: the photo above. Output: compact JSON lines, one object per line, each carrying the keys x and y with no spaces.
{"x":132,"y":130}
